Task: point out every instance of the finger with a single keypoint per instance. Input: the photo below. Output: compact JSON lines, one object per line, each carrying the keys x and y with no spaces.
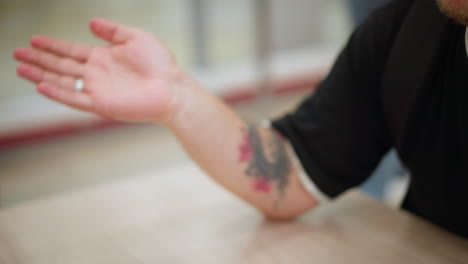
{"x":69,"y":97}
{"x":111,"y":31}
{"x":48,"y":61}
{"x":30,"y":72}
{"x":77,"y":51}
{"x":37,"y":75}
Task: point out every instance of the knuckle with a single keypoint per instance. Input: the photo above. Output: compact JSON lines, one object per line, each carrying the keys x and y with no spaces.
{"x":73,"y":50}
{"x":47,"y":76}
{"x":48,"y":61}
{"x":39,"y":57}
{"x":54,"y":46}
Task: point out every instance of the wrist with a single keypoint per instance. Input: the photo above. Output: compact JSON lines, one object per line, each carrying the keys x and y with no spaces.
{"x":184,"y":101}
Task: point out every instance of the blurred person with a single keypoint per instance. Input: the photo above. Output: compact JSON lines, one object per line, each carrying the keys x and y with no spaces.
{"x":399,"y":82}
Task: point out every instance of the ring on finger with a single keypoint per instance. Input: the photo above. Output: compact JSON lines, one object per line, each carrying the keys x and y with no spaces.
{"x":79,"y":85}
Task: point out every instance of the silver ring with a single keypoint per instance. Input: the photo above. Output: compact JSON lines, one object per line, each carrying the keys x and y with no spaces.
{"x":79,"y":85}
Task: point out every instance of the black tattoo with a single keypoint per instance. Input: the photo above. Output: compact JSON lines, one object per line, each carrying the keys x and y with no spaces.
{"x":266,"y":164}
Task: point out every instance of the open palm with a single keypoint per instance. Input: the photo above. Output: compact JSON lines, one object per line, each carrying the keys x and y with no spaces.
{"x":135,"y":78}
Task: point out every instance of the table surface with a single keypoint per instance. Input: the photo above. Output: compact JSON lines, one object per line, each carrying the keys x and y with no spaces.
{"x":180,"y":216}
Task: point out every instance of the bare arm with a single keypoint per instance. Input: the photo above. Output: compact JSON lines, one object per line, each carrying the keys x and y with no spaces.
{"x":135,"y":78}
{"x":250,"y":161}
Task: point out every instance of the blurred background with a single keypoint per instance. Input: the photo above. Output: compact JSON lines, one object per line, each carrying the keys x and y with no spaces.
{"x":261,"y":56}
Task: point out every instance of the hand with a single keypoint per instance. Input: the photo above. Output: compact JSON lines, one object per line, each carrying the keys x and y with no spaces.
{"x":135,"y":78}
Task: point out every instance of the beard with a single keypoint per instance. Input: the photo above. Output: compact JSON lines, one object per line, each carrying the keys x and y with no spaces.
{"x":455,"y":9}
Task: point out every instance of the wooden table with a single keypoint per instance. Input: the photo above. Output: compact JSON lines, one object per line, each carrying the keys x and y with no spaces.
{"x":180,"y":216}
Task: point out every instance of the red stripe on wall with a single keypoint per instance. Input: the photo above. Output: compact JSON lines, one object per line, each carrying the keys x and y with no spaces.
{"x":69,"y":128}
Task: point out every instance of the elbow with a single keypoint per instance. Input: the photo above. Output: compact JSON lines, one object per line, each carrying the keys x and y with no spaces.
{"x":288,"y":213}
{"x":278,"y":216}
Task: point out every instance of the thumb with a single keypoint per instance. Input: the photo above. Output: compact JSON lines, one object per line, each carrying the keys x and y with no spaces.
{"x":111,"y":31}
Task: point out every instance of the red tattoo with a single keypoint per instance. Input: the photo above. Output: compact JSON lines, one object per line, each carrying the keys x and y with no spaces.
{"x":245,"y":151}
{"x":262,"y":184}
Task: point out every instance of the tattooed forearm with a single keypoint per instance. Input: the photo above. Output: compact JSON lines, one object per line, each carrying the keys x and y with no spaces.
{"x":267,"y":160}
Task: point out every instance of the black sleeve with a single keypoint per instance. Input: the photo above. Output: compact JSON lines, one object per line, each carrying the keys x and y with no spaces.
{"x":339,"y":133}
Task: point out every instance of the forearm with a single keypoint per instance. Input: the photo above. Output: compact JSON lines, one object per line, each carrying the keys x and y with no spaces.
{"x":250,"y":161}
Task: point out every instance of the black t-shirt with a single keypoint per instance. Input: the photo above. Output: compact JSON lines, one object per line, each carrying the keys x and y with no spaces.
{"x":340,"y":133}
